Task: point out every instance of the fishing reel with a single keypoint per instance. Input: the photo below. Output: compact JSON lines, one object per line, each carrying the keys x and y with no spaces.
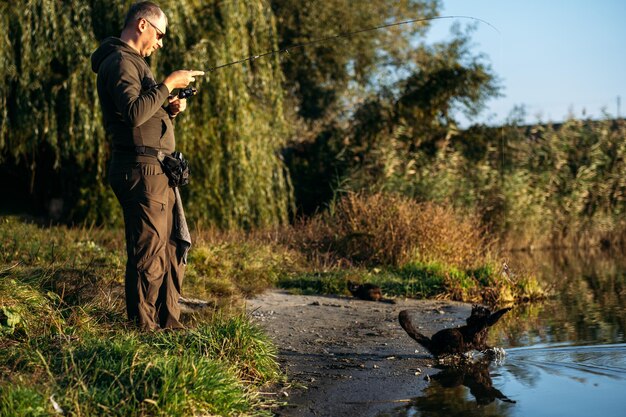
{"x":187,"y":92}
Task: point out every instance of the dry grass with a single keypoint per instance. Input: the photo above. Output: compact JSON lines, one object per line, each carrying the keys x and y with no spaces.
{"x":390,"y":230}
{"x":235,"y":264}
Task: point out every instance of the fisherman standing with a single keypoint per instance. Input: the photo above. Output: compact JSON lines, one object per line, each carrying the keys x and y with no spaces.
{"x":140,"y":128}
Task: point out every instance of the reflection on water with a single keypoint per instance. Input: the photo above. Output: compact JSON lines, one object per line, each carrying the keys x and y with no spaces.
{"x":462,"y":390}
{"x":566,"y":357}
{"x":474,"y":376}
{"x":589,"y":305}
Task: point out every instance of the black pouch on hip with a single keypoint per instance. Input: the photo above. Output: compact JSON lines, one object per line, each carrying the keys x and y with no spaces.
{"x":176,"y":168}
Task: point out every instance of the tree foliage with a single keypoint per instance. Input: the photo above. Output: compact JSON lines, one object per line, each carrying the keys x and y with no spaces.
{"x":406,"y":120}
{"x":320,"y":77}
{"x":51,"y":135}
{"x":540,"y":185}
{"x":373,"y":112}
{"x":50,"y":126}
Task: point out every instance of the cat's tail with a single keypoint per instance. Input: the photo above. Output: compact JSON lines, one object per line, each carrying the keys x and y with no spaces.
{"x":409,"y":328}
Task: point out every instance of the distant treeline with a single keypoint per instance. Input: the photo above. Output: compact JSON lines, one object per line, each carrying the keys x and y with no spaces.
{"x":284,"y":135}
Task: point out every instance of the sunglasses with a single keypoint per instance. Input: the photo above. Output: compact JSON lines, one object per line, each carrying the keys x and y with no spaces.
{"x":160,"y":35}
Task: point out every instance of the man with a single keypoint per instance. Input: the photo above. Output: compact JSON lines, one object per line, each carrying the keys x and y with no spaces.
{"x":141,"y":131}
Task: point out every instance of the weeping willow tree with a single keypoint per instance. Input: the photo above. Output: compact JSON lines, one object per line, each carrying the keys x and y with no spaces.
{"x":52,"y":142}
{"x":235,"y":128}
{"x":50,"y":136}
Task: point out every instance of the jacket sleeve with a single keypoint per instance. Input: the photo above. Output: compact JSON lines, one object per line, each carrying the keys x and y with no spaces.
{"x":125,"y":86}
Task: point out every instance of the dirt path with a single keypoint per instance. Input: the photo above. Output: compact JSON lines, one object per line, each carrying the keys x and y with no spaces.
{"x":348,"y":357}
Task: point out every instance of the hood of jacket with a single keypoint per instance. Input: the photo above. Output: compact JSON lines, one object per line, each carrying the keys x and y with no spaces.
{"x":107,"y":47}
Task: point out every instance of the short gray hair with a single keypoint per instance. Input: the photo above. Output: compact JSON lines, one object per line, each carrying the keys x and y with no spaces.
{"x":143,"y":10}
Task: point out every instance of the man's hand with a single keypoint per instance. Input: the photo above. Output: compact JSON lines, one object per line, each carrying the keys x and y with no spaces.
{"x":176,"y":105}
{"x":180,"y":79}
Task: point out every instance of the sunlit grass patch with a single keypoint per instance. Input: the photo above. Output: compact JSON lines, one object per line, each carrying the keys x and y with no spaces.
{"x":26,"y":311}
{"x":208,"y":370}
{"x":124,"y":375}
{"x":22,"y":399}
{"x":330,"y":282}
{"x":236,"y":265}
{"x":63,"y":333}
{"x":484,"y":284}
{"x":235,"y":341}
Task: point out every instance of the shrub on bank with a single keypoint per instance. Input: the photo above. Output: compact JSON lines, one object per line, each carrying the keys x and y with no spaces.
{"x":237,"y":266}
{"x":409,"y":249}
{"x":423,"y":280}
{"x":392,"y":230}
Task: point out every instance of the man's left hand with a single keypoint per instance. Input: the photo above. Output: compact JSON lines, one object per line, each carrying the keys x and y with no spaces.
{"x":177,"y":105}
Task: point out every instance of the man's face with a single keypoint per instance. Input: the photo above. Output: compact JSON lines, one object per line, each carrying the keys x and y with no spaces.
{"x":152,"y":35}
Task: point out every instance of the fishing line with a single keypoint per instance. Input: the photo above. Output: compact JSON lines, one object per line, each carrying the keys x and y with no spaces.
{"x":345,"y":35}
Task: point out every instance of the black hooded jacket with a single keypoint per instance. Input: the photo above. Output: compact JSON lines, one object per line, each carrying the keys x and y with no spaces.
{"x":131,"y":99}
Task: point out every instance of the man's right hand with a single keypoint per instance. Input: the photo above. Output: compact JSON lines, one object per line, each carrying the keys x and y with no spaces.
{"x":180,"y":79}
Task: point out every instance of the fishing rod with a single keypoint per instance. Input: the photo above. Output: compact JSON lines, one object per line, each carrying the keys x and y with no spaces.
{"x":188,"y":92}
{"x":344,"y":35}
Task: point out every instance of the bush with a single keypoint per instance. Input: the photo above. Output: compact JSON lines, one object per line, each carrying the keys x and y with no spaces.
{"x":236,"y":264}
{"x":383,"y":229}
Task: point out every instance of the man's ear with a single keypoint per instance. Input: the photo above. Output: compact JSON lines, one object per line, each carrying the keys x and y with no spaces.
{"x":142,"y":25}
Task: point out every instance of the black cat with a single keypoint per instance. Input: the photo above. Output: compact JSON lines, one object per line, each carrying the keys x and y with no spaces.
{"x":472,"y":336}
{"x":369,"y":292}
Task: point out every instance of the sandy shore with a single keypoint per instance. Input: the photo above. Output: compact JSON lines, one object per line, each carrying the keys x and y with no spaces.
{"x":348,"y":357}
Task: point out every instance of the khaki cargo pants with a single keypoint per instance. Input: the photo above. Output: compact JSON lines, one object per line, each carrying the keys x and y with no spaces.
{"x":154,"y":274}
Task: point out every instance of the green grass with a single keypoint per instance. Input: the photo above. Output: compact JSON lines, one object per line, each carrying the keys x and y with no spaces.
{"x":421,"y":280}
{"x":63,"y":333}
{"x":236,"y":268}
{"x":129,"y":374}
{"x":23,"y":400}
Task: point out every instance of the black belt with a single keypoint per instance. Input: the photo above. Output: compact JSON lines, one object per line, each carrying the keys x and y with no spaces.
{"x":141,"y":151}
{"x":146,"y":150}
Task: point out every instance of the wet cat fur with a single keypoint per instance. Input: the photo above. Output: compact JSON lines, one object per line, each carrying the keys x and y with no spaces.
{"x":472,"y":336}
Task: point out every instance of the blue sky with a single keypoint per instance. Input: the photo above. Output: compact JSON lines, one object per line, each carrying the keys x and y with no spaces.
{"x":555,"y":57}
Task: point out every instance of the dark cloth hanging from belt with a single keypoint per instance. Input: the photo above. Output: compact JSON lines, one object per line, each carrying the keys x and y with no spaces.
{"x":181,"y":230}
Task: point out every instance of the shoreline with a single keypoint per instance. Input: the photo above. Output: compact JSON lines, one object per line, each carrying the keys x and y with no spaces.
{"x":345,"y":356}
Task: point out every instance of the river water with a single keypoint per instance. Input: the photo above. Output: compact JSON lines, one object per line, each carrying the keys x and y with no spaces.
{"x":564,"y":357}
